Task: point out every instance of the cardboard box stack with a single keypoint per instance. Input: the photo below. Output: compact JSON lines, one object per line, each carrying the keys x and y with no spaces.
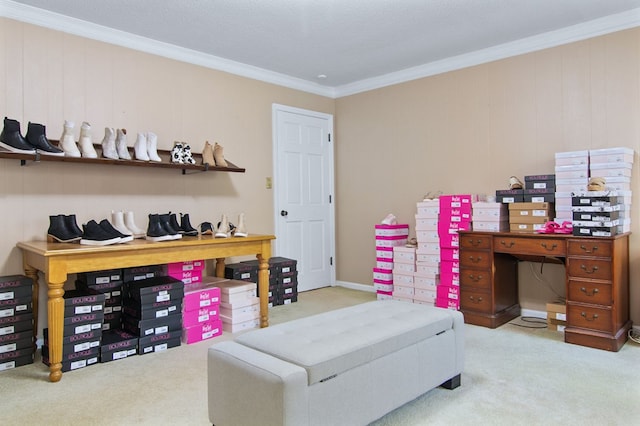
{"x":556,"y":315}
{"x":201,"y":310}
{"x":82,"y":329}
{"x":16,"y":321}
{"x":572,"y":176}
{"x":427,"y":275}
{"x":387,"y":237}
{"x":239,"y":305}
{"x":529,"y":217}
{"x":489,"y":216}
{"x":152,"y":310}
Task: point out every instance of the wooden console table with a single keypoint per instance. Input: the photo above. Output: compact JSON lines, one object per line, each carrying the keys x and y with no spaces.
{"x":57,"y":260}
{"x":597,"y":281}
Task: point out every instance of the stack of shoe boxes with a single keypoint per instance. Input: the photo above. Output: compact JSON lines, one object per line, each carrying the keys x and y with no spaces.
{"x":427,"y":275}
{"x":189,"y":272}
{"x":82,"y":330}
{"x":201,"y":311}
{"x":404,"y":269}
{"x":455,"y":215}
{"x":529,"y":217}
{"x":239,"y":305}
{"x":109,"y":283}
{"x":489,"y":216}
{"x":387,"y":237}
{"x":16,"y":321}
{"x":596,"y":214}
{"x":572,"y":176}
{"x":540,"y":189}
{"x":152,"y":310}
{"x":283,"y":278}
{"x":117,"y":344}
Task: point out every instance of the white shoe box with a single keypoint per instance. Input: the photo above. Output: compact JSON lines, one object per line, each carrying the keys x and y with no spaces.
{"x":426,"y":281}
{"x":404,"y":268}
{"x":608,"y":170}
{"x":403,"y":291}
{"x":500,"y":226}
{"x":404,"y":254}
{"x":241,"y":326}
{"x":425,"y":295}
{"x":405,"y":279}
{"x":571,"y":158}
{"x":611,"y":155}
{"x":237,"y":317}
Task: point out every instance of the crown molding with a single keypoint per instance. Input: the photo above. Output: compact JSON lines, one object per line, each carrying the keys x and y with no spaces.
{"x":55,"y":21}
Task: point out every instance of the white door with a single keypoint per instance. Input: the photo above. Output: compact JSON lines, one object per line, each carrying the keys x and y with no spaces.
{"x":303,"y":193}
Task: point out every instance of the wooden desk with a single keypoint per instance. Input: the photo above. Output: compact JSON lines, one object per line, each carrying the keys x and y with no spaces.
{"x":57,"y":260}
{"x":597,"y":281}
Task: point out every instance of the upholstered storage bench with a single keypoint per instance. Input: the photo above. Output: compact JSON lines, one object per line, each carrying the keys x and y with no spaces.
{"x":344,"y":367}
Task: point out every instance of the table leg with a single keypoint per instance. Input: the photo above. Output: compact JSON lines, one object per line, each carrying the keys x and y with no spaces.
{"x":32,"y":273}
{"x":263,"y":289}
{"x":56,"y":328}
{"x":220,"y":267}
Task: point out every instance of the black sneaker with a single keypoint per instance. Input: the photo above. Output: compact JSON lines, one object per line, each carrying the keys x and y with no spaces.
{"x":36,"y":136}
{"x":206,"y":228}
{"x":11,"y":139}
{"x":108,"y":227}
{"x":94,"y":235}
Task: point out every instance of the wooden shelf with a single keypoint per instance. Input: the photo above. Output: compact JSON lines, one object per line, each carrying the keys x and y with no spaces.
{"x":165,"y":155}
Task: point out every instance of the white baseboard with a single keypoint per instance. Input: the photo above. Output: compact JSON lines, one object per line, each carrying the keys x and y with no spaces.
{"x":356,"y":286}
{"x":533,"y":313}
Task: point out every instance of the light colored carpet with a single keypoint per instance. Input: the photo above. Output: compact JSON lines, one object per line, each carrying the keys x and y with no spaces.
{"x":512,"y":376}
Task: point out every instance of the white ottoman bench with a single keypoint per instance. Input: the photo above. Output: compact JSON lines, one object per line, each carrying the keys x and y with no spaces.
{"x":344,"y":367}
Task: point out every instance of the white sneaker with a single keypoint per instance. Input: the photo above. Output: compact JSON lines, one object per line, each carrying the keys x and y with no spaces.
{"x":68,"y":141}
{"x":121,"y":145}
{"x":140,"y":148}
{"x":109,"y":144}
{"x":86,"y":144}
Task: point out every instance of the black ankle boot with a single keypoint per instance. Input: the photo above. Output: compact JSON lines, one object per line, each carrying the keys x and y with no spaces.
{"x":185,"y":225}
{"x":94,"y":235}
{"x":173,"y":221}
{"x":108,"y":228}
{"x":165,"y":222}
{"x":155,"y":230}
{"x":12,"y":139}
{"x":72,"y":225}
{"x":59,"y":232}
{"x":36,"y":136}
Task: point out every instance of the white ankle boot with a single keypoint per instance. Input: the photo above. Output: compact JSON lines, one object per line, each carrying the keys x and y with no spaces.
{"x":223,"y":228}
{"x":121,"y":145}
{"x":109,"y":144}
{"x":130,"y":223}
{"x":187,"y":156}
{"x":68,"y":141}
{"x":117,"y":220}
{"x":241,"y":229}
{"x":86,"y":144}
{"x":152,"y":147}
{"x":177,"y":153}
{"x":140,"y":148}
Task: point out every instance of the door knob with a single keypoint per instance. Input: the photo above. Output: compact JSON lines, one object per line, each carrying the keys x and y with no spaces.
{"x":284,"y":213}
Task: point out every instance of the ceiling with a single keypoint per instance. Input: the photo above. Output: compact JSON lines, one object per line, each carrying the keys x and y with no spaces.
{"x":342,"y":44}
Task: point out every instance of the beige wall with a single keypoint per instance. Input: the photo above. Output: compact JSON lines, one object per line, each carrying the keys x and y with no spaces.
{"x":467,"y":131}
{"x":461,"y":132}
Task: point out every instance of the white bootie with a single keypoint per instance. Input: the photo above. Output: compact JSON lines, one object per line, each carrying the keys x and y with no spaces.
{"x":187,"y":156}
{"x":86,"y":144}
{"x":177,"y":153}
{"x":152,"y":147}
{"x":121,"y":145}
{"x":130,"y":223}
{"x":117,"y":220}
{"x":140,"y":148}
{"x":223,"y":228}
{"x":109,"y":144}
{"x":68,"y":141}
{"x":241,"y":229}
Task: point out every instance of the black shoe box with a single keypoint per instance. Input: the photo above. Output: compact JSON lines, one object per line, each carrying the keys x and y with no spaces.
{"x":79,"y":302}
{"x":153,"y":290}
{"x":77,"y":342}
{"x":595,"y":201}
{"x":144,"y":272}
{"x":11,"y":307}
{"x":16,"y":323}
{"x":78,"y":324}
{"x":73,"y":361}
{"x":150,"y":327}
{"x":113,"y":305}
{"x":287,"y":289}
{"x":595,"y":216}
{"x":9,"y":282}
{"x":244,"y":271}
{"x":112,"y":321}
{"x":509,"y":195}
{"x":100,"y":277}
{"x":159,"y":342}
{"x":9,"y":293}
{"x":117,"y":344}
{"x":289,"y":298}
{"x":18,"y":358}
{"x":16,"y":341}
{"x":110,"y":290}
{"x":540,"y":182}
{"x":540,"y":195}
{"x":283,"y":265}
{"x":153,"y":311}
{"x":288,"y":278}
{"x":595,"y":231}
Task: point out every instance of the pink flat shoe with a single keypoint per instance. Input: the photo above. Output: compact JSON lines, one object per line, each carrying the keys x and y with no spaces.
{"x":549,"y":228}
{"x":565,"y":228}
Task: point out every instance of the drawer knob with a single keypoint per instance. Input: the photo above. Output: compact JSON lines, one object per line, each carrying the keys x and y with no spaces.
{"x":593,"y":293}
{"x":474,"y":300}
{"x":593,"y":317}
{"x":586,"y":250}
{"x":553,"y":246}
{"x":592,"y":271}
{"x":475,"y":278}
{"x":504,"y":243}
{"x":475,"y":259}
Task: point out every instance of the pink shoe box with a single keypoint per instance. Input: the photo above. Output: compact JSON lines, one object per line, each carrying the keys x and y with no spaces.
{"x":200,"y":332}
{"x":443,"y":302}
{"x":187,"y":266}
{"x":403,"y":291}
{"x":448,"y":291}
{"x":187,"y":277}
{"x":382,"y":263}
{"x":426,"y":223}
{"x":198,"y":316}
{"x":427,"y":269}
{"x":426,"y":281}
{"x":203,"y":294}
{"x":462,"y":202}
{"x":404,"y":268}
{"x":384,"y":253}
{"x":428,"y":249}
{"x":383,"y":274}
{"x":394,"y":241}
{"x":384,"y":295}
{"x":428,"y":208}
{"x":450,"y":266}
{"x":450,"y":278}
{"x":452,"y":228}
{"x":403,"y":279}
{"x":431,"y":236}
{"x":383,"y":285}
{"x":392,"y":230}
{"x":425,"y":295}
{"x":455,"y":215}
{"x":450,"y":240}
{"x":404,"y":254}
{"x":450,"y":254}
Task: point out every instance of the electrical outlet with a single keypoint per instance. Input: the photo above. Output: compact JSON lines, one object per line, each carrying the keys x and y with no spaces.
{"x":268,"y":184}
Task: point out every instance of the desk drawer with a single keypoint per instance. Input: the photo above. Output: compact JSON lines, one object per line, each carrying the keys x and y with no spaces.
{"x":475,"y":258}
{"x":596,"y":248}
{"x":478,"y":242}
{"x":596,"y":269}
{"x":475,"y":301}
{"x":593,"y":292}
{"x":530,"y":246}
{"x":589,"y":317}
{"x":475,"y":278}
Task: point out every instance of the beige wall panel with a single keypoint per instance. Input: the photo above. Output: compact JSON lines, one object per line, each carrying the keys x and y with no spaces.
{"x":13,"y":72}
{"x":549,"y":119}
{"x":576,"y":95}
